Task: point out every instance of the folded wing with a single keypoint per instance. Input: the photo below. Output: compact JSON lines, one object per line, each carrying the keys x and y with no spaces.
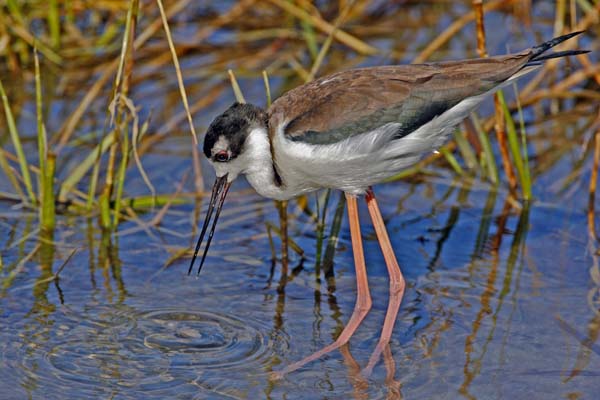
{"x":359,"y":101}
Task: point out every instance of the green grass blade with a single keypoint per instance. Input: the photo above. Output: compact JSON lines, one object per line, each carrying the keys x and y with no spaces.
{"x":54,"y":23}
{"x":94,"y":181}
{"x":69,"y":13}
{"x":121,"y":174}
{"x":15,"y":10}
{"x":586,"y":6}
{"x":5,"y":166}
{"x":122,"y":57}
{"x":466,"y":151}
{"x":327,"y":44}
{"x":488,"y":155}
{"x":104,"y":204}
{"x":41,"y":133}
{"x":141,"y":202}
{"x":527,"y":186}
{"x":12,"y":128}
{"x":84,"y":166}
{"x":451,"y":160}
{"x":93,"y":184}
{"x":308,"y":32}
{"x":320,"y":57}
{"x":415,"y":169}
{"x":21,"y":32}
{"x":48,"y":212}
{"x":47,"y":161}
{"x":136,"y":134}
{"x":513,"y":142}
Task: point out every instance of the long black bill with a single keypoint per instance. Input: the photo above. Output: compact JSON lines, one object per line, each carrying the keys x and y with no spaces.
{"x":219,"y":191}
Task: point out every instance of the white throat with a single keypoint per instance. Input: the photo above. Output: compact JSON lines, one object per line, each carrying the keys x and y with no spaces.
{"x":258,"y":165}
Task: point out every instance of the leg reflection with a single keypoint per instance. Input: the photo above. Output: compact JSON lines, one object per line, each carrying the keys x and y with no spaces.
{"x":363,"y":298}
{"x":393,"y":385}
{"x":359,"y":382}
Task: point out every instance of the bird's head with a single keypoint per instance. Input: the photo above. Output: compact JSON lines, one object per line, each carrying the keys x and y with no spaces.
{"x":224,"y":146}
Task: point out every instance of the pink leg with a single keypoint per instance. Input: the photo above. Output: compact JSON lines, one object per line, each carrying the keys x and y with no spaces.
{"x":363,"y":298}
{"x":396,"y":281}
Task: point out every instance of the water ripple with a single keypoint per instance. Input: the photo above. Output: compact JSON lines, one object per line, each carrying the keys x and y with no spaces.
{"x":206,"y":340}
{"x":127,"y":352}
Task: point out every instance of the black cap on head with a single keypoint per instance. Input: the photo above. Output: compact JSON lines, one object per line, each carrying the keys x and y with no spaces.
{"x":233,"y":125}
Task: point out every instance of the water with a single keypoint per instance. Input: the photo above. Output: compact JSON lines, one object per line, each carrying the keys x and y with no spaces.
{"x":500,"y":302}
{"x":477,"y":323}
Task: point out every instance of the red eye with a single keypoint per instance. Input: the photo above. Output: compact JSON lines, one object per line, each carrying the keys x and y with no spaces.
{"x":222,"y":156}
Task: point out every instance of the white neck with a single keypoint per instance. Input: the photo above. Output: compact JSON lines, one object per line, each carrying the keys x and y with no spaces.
{"x":259,"y":166}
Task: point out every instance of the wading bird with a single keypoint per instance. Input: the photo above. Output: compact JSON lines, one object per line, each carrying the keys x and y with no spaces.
{"x":349,"y":131}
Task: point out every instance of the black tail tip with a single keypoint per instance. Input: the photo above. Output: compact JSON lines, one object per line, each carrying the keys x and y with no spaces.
{"x":569,"y":35}
{"x":560,"y":39}
{"x":559,"y":54}
{"x":538,"y":50}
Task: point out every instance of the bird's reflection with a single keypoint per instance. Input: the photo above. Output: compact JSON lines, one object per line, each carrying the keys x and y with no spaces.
{"x":357,"y":375}
{"x":359,"y":380}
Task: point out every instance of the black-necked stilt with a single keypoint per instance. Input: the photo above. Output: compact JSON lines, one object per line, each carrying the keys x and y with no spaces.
{"x":349,"y":131}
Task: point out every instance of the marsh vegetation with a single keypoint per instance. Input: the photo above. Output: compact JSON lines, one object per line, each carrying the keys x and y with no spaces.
{"x":102,"y":185}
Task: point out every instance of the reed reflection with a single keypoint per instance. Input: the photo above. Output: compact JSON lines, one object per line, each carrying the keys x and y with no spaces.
{"x":493,"y":295}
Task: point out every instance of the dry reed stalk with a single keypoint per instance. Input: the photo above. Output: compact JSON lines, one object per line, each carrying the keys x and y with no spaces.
{"x":351,"y":41}
{"x":178,"y":73}
{"x":455,"y":27}
{"x":499,"y":123}
{"x":591,"y":215}
{"x":500,"y":129}
{"x":480,"y":28}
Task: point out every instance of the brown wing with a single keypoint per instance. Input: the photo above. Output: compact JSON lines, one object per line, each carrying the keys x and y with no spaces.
{"x":348,"y":103}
